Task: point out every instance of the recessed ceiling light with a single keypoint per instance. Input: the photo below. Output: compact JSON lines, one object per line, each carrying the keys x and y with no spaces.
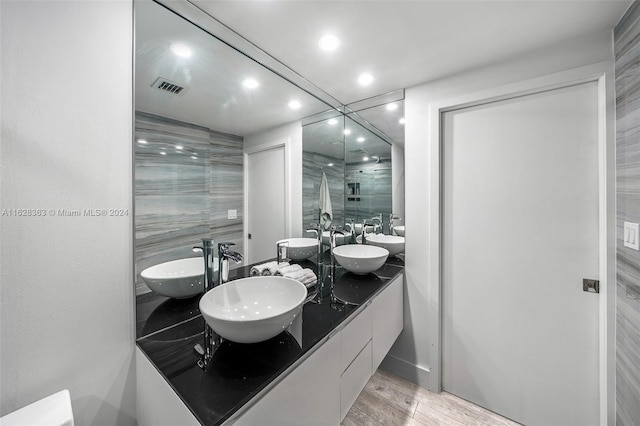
{"x":250,"y":83}
{"x":179,"y":147}
{"x":360,"y":139}
{"x":329,"y":42}
{"x":365,"y":79}
{"x":181,"y":50}
{"x":392,"y":107}
{"x":332,"y":121}
{"x":193,"y":157}
{"x":401,"y":121}
{"x":163,"y":153}
{"x":142,"y":141}
{"x":365,"y":158}
{"x":330,"y":164}
{"x":347,"y":131}
{"x":294,"y":104}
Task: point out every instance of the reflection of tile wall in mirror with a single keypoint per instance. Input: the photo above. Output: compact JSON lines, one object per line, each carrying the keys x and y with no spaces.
{"x":368,"y":163}
{"x":313,"y":164}
{"x":186,"y":177}
{"x":374,"y":182}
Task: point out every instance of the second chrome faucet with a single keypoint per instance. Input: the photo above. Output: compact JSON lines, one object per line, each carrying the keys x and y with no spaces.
{"x":211,"y":339}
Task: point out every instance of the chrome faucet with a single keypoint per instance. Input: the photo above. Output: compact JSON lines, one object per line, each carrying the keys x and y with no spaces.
{"x":392,"y":217}
{"x":377,"y":228}
{"x":352,"y":230}
{"x":207,"y":253}
{"x":224,"y":256}
{"x":212,"y":340}
{"x":332,"y":238}
{"x":365,"y":224}
{"x":282,"y":251}
{"x":317,"y":228}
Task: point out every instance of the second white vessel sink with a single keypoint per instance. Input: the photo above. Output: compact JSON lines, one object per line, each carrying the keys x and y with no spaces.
{"x":179,"y":279}
{"x":300,"y":248}
{"x":360,"y":259}
{"x":399,"y":230}
{"x":393,"y":243}
{"x":255,"y":309}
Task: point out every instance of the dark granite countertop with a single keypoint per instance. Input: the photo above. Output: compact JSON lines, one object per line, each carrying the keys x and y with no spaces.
{"x":167,"y":330}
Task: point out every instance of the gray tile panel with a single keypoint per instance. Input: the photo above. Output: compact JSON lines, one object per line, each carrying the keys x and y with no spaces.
{"x":184,"y":194}
{"x":627,"y":51}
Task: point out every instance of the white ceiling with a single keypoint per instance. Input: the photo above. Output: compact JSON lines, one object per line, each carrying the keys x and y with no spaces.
{"x":214,"y":96}
{"x":404,"y":43}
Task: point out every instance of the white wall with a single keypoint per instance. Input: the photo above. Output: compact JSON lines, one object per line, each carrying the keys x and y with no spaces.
{"x":410,"y":355}
{"x":66,"y":290}
{"x":397,"y":182}
{"x":292,"y":132}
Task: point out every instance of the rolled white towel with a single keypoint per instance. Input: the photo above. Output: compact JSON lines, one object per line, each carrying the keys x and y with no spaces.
{"x":272,"y":269}
{"x":305,"y":276}
{"x":288,"y":269}
{"x":258,"y":270}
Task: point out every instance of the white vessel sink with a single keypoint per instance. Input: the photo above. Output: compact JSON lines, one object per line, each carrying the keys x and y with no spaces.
{"x":179,"y":279}
{"x":393,"y":243}
{"x":300,"y":248}
{"x":255,"y":309}
{"x":399,"y":230}
{"x":360,"y":259}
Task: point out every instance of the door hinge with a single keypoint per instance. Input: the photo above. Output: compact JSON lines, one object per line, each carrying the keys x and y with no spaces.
{"x":249,"y":236}
{"x":591,"y":286}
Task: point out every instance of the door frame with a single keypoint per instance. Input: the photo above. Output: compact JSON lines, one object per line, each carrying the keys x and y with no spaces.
{"x":277,"y":144}
{"x":603,"y":74}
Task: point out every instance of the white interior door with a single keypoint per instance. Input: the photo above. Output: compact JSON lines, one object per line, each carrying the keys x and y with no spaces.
{"x":266,"y":209}
{"x":520,"y":232}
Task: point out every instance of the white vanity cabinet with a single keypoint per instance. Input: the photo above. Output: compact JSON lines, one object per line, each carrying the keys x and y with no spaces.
{"x":322,"y":389}
{"x":388,"y":320}
{"x":305,"y":397}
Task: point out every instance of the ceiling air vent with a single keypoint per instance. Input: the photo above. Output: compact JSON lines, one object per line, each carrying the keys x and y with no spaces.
{"x":169,"y":86}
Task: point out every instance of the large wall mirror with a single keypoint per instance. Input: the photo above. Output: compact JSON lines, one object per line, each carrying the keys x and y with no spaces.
{"x":201,"y":105}
{"x":196,"y":100}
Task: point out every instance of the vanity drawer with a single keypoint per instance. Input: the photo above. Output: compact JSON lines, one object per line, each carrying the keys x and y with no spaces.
{"x":388,"y":319}
{"x":354,"y":336}
{"x":354,"y":379}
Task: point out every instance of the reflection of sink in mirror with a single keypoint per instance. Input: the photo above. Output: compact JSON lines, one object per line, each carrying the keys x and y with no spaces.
{"x":255,"y":309}
{"x":340,"y":239}
{"x":358,"y":228}
{"x":399,"y":230}
{"x":360,"y":259}
{"x":393,"y":243}
{"x":179,"y":279}
{"x":300,"y":248}
{"x":354,"y":289}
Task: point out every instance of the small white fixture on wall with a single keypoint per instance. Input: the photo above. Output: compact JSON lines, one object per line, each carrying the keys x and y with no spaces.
{"x":631,"y":237}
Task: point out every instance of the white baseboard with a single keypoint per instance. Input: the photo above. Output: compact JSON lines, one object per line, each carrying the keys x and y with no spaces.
{"x":406,"y":370}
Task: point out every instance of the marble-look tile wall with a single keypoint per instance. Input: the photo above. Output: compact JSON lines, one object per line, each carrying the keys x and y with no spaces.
{"x":374,"y":195}
{"x":627,"y":53}
{"x":186,"y":178}
{"x":313,"y":164}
